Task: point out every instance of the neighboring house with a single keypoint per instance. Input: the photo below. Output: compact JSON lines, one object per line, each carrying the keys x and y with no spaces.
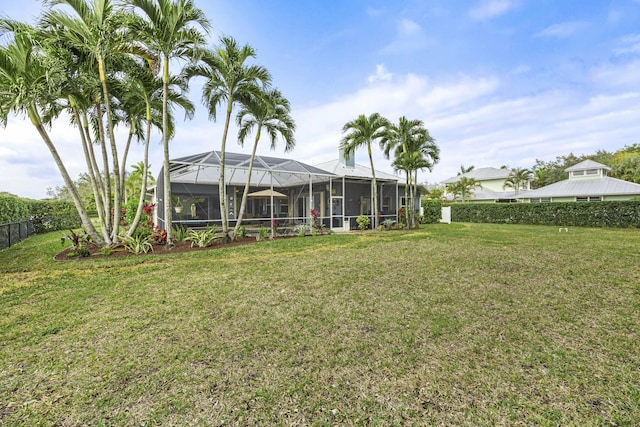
{"x":491,"y":189}
{"x":588,"y":181}
{"x":281,"y":190}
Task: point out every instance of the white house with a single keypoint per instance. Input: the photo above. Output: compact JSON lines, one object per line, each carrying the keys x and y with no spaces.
{"x":492,"y":182}
{"x":588,"y":182}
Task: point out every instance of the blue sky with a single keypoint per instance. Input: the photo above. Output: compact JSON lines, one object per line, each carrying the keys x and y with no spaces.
{"x":496,"y":82}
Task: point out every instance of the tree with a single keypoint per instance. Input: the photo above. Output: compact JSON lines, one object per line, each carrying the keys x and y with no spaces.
{"x":30,"y":85}
{"x":170,"y":29}
{"x":518,"y":179}
{"x":403,"y":140}
{"x":269,"y":111}
{"x":361,"y":132}
{"x":95,"y":27}
{"x":464,"y":169}
{"x":228,"y":80}
{"x":464,"y":188}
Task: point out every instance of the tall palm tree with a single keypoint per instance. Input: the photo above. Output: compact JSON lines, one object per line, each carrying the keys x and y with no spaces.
{"x":228,"y":80}
{"x":398,"y":139}
{"x":170,"y":29}
{"x":464,"y":187}
{"x":362,"y":132}
{"x":518,"y":179}
{"x":28,"y":87}
{"x":95,"y":26}
{"x":269,"y":111}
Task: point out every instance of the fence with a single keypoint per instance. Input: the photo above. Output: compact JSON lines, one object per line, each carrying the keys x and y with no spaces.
{"x":14,"y":232}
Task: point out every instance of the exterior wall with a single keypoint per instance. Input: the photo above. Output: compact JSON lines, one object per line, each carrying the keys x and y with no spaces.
{"x":614,"y":198}
{"x":493,"y":184}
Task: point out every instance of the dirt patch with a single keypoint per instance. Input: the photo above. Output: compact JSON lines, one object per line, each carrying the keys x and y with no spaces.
{"x":121,"y":252}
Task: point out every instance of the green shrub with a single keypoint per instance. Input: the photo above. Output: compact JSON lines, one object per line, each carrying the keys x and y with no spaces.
{"x":13,"y":209}
{"x":431,"y":211}
{"x":137,"y":244}
{"x":202,"y":238}
{"x":363,"y":222}
{"x":620,"y":214}
{"x":131,"y":208}
{"x":53,"y":215}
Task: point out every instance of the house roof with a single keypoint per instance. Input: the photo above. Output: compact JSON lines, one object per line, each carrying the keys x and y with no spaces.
{"x":481,"y":174}
{"x":204,"y":168}
{"x":587,"y":164}
{"x":357,"y":171}
{"x":603,"y":186}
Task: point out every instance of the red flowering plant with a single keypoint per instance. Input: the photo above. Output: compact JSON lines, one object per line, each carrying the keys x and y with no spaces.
{"x":148,"y":211}
{"x":316,"y":224}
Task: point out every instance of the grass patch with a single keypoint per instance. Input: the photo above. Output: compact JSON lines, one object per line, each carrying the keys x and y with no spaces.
{"x":461,"y":324}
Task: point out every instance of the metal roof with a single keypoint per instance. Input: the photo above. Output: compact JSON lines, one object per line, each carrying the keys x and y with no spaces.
{"x":357,"y":171}
{"x":587,"y":164}
{"x":481,"y":174}
{"x":601,"y":186}
{"x":204,"y":168}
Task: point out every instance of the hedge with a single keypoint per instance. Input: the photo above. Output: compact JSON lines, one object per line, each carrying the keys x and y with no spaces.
{"x":619,"y":214}
{"x":431,"y":211}
{"x":52,"y":215}
{"x":13,"y":209}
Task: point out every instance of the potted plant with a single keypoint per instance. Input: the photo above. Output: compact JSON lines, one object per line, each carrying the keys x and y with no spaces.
{"x":177,"y":204}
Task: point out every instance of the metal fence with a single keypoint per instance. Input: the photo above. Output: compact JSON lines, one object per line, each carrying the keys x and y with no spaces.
{"x":14,"y":232}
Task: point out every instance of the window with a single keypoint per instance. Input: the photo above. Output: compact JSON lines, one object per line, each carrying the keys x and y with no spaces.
{"x":589,"y":199}
{"x":592,"y":171}
{"x":577,"y":173}
{"x":365,"y":205}
{"x":386,"y":204}
{"x":541,"y":200}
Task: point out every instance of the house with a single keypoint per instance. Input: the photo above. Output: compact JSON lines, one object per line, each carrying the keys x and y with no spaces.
{"x":588,"y":182}
{"x":281,"y":190}
{"x":492,"y":185}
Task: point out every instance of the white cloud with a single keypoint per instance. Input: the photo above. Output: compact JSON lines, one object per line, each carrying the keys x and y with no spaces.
{"x":565,"y":29}
{"x":489,"y":9}
{"x":410,"y":38}
{"x":629,"y":45}
{"x":381,"y":75}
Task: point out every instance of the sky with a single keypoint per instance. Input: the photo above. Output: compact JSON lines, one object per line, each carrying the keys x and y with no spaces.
{"x":496,"y":82}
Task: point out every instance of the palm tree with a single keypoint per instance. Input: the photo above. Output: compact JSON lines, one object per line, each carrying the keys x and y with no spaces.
{"x":28,"y":87}
{"x":518,"y":178}
{"x":464,"y":169}
{"x":362,"y":132}
{"x":464,"y":187}
{"x":95,"y":27}
{"x":169,"y":28}
{"x":398,"y":139}
{"x":228,"y":79}
{"x":271,"y":112}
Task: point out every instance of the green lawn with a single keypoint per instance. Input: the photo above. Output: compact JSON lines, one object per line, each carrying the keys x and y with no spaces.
{"x":461,"y":324}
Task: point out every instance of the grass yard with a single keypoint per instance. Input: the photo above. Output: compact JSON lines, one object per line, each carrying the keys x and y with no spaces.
{"x":461,"y":324}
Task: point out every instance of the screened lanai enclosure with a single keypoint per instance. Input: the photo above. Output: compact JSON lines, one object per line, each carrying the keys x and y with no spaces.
{"x":282,"y":193}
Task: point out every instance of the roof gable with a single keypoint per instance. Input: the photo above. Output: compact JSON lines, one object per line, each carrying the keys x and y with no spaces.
{"x":587,"y":164}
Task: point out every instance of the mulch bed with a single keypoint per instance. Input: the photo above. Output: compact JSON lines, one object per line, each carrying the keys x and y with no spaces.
{"x":121,"y":252}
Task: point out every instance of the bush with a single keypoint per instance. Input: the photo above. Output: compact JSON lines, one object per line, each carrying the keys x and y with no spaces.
{"x":363,"y":222}
{"x":13,"y":209}
{"x":620,"y":214}
{"x":131,"y":207}
{"x":53,"y":215}
{"x":432,"y":211}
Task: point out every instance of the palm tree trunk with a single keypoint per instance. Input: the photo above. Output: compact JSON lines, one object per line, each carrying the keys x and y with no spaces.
{"x":106,"y":192}
{"x":168,"y":209}
{"x":222,"y":188}
{"x":143,"y":189}
{"x":376,"y":220}
{"x":117,"y":197}
{"x":90,"y":171}
{"x":246,"y":186}
{"x":124,"y":160}
{"x":77,"y":201}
